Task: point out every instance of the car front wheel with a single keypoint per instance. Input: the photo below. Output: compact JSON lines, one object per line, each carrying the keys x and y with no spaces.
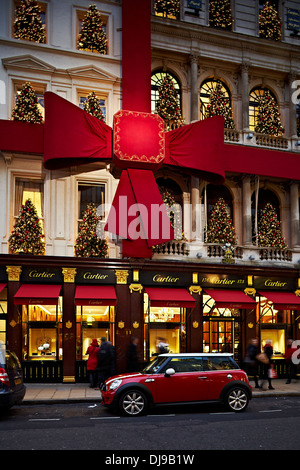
{"x":237,"y":399}
{"x":133,"y":403}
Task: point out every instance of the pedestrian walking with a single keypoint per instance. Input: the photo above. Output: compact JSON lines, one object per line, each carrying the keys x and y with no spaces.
{"x":92,"y":363}
{"x":268,"y":350}
{"x":132,"y":356}
{"x":289,"y":358}
{"x":106,"y":361}
{"x":251,"y":361}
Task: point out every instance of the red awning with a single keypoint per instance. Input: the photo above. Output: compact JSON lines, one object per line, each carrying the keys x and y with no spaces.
{"x":231,"y":299}
{"x":168,"y":297}
{"x":282,"y":300}
{"x":43,"y":294}
{"x":95,"y":295}
{"x":2,"y":286}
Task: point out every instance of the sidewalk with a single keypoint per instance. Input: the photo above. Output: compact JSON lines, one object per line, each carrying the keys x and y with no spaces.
{"x":72,"y":393}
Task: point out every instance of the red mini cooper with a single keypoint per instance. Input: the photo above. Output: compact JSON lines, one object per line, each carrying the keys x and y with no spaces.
{"x":179,"y":379}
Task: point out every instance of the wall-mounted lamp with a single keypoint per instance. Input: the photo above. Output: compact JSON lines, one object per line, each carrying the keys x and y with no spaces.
{"x":251,"y":258}
{"x":250,"y":135}
{"x":199,"y":255}
{"x":297,"y":143}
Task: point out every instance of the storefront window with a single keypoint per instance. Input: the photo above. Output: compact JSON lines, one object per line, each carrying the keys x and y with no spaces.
{"x":275,"y":325}
{"x":221,"y":328}
{"x":3,"y":315}
{"x":165,"y":329}
{"x":42,"y":332}
{"x":93,"y":322}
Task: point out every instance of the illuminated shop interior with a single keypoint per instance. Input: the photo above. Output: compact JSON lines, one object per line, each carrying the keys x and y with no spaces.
{"x":93,"y":322}
{"x":42,"y":331}
{"x":165,"y":325}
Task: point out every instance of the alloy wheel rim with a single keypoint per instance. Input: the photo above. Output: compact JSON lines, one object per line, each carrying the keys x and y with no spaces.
{"x":237,"y":400}
{"x":133,"y":403}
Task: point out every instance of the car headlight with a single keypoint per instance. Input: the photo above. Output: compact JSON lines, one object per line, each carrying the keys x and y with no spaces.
{"x":115,"y":384}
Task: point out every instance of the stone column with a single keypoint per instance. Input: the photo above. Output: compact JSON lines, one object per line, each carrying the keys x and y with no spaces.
{"x":195,"y":196}
{"x":247,"y":223}
{"x":194,"y":88}
{"x":295,"y":224}
{"x":245,"y":95}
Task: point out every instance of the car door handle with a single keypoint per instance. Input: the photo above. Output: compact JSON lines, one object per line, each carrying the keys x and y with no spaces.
{"x":150,"y":380}
{"x":202,"y":377}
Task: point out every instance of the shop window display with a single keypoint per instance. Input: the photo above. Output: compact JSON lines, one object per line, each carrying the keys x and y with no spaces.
{"x":165,"y":329}
{"x":93,"y":322}
{"x":3,"y":315}
{"x":275,"y":325}
{"x":42,"y":332}
{"x":221,"y":328}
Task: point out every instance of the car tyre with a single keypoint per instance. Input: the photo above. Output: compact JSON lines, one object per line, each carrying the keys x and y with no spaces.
{"x":237,"y":399}
{"x":133,"y":403}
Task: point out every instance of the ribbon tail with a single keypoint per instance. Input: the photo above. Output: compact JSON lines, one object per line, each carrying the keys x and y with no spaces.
{"x":138,"y":214}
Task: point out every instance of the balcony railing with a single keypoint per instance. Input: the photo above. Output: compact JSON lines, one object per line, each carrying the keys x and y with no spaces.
{"x":262,"y":140}
{"x":174,"y":247}
{"x":275,"y":254}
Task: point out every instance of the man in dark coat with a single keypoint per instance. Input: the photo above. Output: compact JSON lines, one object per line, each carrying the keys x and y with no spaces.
{"x":106,"y":361}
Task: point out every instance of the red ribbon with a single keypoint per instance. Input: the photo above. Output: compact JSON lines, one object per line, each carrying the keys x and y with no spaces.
{"x":73,"y":137}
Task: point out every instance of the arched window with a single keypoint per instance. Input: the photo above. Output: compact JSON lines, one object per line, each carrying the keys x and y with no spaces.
{"x":157,"y":79}
{"x":254,"y":98}
{"x":172,"y":197}
{"x":265,"y":196}
{"x":207,"y":87}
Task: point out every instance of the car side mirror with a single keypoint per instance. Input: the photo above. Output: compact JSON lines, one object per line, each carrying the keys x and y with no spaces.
{"x":169,"y":372}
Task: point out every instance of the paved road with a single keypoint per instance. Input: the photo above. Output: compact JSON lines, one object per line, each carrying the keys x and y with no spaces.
{"x":269,"y":423}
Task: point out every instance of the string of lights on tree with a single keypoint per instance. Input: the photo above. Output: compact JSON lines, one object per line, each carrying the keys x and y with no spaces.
{"x":168,"y":8}
{"x":220,"y":228}
{"x":167,"y":106}
{"x":174,"y":212}
{"x":28,"y":23}
{"x":219,"y":105}
{"x":27,"y":235}
{"x":92,"y":106}
{"x":268,"y":116}
{"x":269,"y":229}
{"x":26,"y":107}
{"x":88,"y":242}
{"x":92,"y":36}
{"x":269,"y":23}
{"x":220,"y":14}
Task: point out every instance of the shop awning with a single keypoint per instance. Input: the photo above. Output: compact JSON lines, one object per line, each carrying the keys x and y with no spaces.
{"x":42,"y":294}
{"x":282,"y":300}
{"x":95,"y":295}
{"x":168,"y":297}
{"x":231,"y":299}
{"x":2,"y":286}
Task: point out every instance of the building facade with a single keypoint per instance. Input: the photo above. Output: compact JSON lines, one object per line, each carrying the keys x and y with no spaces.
{"x":193,"y":294}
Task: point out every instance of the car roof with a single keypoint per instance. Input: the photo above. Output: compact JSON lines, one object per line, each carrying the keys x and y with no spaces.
{"x":195,"y":354}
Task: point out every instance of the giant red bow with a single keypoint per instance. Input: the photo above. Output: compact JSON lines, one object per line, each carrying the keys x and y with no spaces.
{"x":138,"y":146}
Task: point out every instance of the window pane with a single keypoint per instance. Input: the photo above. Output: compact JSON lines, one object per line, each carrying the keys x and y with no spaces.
{"x":29,"y":189}
{"x":90,"y":193}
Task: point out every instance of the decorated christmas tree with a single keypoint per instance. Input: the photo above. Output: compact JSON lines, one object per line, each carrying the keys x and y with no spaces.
{"x":92,"y":106}
{"x":220,"y":14}
{"x":269,"y":229}
{"x":27,"y":236}
{"x":220,"y":228}
{"x":219,"y":105}
{"x":168,"y":8}
{"x":174,"y":212}
{"x":167,"y":106}
{"x":28,"y":24}
{"x":269,"y":23}
{"x":26,"y":107}
{"x":88,"y":243}
{"x":268,"y":116}
{"x":92,"y":36}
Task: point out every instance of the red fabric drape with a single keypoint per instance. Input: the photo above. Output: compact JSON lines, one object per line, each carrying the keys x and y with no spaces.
{"x":198,"y":146}
{"x":72,"y":136}
{"x":21,"y":137}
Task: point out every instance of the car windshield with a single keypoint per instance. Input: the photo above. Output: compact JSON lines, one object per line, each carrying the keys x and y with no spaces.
{"x":154,"y":365}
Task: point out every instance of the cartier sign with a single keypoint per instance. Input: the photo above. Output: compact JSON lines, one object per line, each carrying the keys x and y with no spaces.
{"x":274,"y":283}
{"x":95,"y":276}
{"x":41,"y":275}
{"x":154,"y":278}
